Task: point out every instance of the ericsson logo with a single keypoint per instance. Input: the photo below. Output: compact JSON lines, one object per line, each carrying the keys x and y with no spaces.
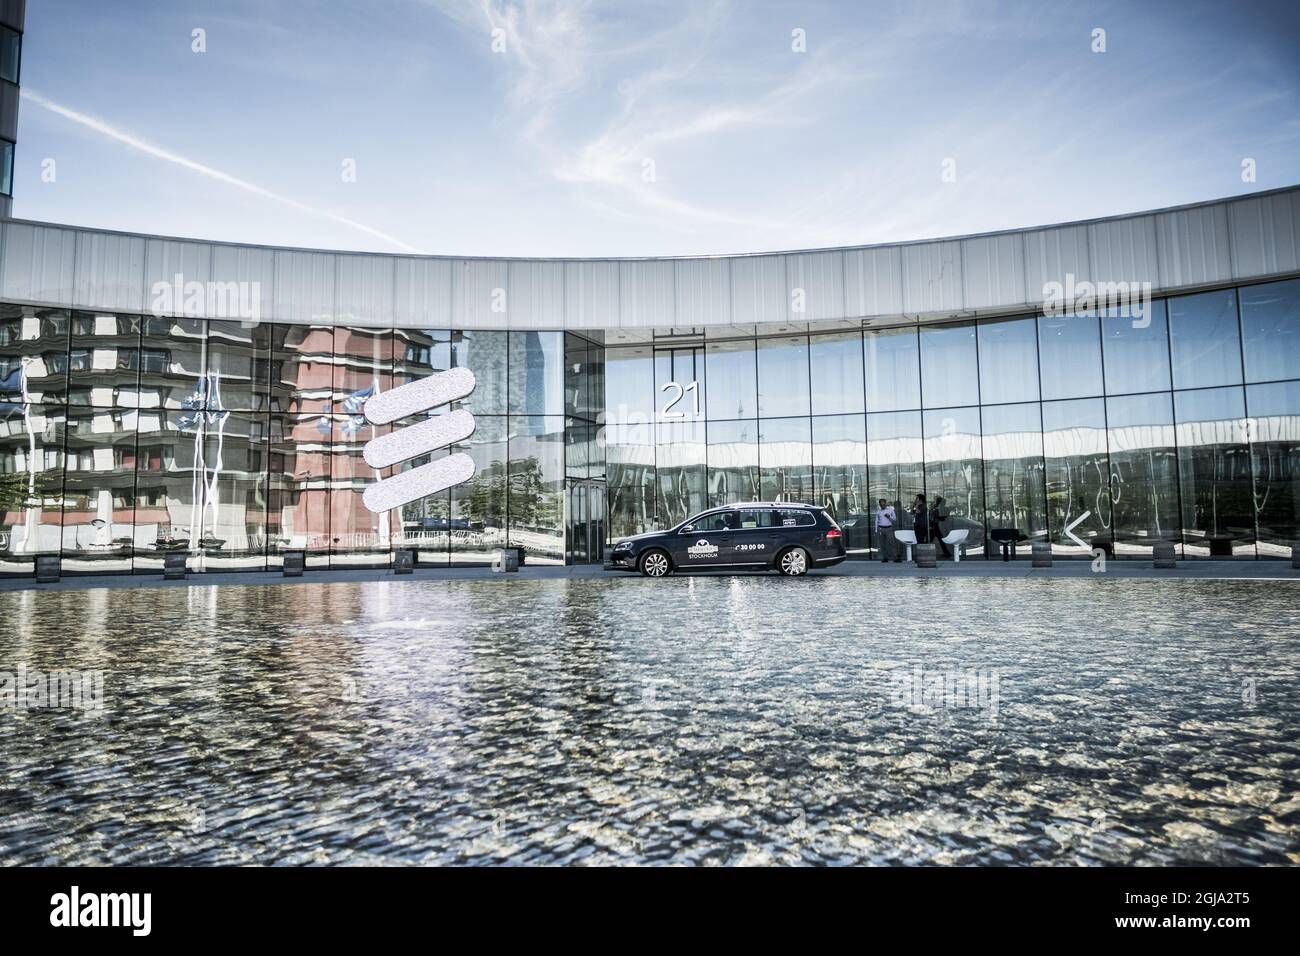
{"x":415,"y":440}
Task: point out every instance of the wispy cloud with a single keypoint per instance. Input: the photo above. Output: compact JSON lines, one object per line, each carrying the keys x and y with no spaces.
{"x":595,"y":99}
{"x":158,"y":152}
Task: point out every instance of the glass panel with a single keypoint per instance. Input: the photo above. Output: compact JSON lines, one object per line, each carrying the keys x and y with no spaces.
{"x":478,"y":507}
{"x":839,"y":454}
{"x":785,"y":458}
{"x":731,"y":380}
{"x":575,"y":377}
{"x":783,"y":376}
{"x":33,"y":354}
{"x":629,"y":386}
{"x":578,"y":445}
{"x":1204,"y":339}
{"x":596,"y":389}
{"x":104,"y":362}
{"x":1144,"y":471}
{"x":484,"y":354}
{"x":10,"y":48}
{"x":1008,"y":361}
{"x":682,"y":476}
{"x":1270,"y":324}
{"x":358,"y":537}
{"x":949,"y":369}
{"x":1077,"y":469}
{"x":298,"y":495}
{"x":1214,"y":472}
{"x":238,"y":366}
{"x":419,"y":353}
{"x":171,"y":365}
{"x":1274,"y":422}
{"x":235,"y":449}
{"x":1137,"y":354}
{"x":954,"y":478}
{"x":363,"y":366}
{"x":836,"y":362}
{"x":31,"y":483}
{"x":1015,"y":493}
{"x":1069,"y":355}
{"x":894,"y":456}
{"x":302,"y":368}
{"x":733,"y":462}
{"x":6,"y":167}
{"x":679,"y":384}
{"x":537,"y":375}
{"x":535,"y":506}
{"x":893,"y":370}
{"x":169,"y":481}
{"x":424,"y":524}
{"x":629,"y":473}
{"x":99,"y":489}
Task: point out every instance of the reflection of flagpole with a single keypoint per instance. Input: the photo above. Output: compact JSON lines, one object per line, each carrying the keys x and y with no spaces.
{"x":212,"y":494}
{"x":32,"y":519}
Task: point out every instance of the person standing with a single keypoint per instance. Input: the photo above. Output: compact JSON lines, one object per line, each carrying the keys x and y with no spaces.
{"x":886,"y":519}
{"x":937,"y":517}
{"x":920,"y":519}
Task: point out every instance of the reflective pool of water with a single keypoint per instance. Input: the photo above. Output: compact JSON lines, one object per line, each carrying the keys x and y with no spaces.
{"x":688,"y":720}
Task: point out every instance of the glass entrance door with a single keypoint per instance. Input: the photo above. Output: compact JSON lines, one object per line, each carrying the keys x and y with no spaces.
{"x":586,"y":521}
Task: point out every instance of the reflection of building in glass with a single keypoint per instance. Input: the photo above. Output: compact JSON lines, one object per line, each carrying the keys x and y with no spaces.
{"x":619,"y":396}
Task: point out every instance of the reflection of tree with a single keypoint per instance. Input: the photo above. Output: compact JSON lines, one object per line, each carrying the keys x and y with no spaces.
{"x":530,"y":504}
{"x":16,"y":489}
{"x":484,"y":505}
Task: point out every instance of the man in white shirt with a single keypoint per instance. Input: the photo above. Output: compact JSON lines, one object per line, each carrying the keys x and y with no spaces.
{"x":886,"y":519}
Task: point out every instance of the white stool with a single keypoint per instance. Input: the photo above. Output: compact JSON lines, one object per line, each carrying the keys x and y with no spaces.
{"x":954,"y":540}
{"x":908,"y":538}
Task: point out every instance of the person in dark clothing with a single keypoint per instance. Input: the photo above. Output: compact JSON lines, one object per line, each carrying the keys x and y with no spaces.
{"x":920,"y":520}
{"x":937,"y":516}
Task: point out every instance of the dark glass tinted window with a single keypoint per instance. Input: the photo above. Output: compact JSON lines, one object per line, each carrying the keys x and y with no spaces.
{"x":6,"y":167}
{"x":11,"y":45}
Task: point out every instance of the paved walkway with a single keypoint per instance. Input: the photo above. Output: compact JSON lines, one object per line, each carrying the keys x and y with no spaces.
{"x":1245,"y":570}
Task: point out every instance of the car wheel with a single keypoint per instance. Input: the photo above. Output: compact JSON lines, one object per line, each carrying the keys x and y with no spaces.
{"x":793,"y":562}
{"x":655,"y":564}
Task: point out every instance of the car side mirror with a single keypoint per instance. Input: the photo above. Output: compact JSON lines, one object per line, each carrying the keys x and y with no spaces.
{"x":688,"y":529}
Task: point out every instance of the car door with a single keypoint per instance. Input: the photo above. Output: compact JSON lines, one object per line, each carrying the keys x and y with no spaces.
{"x":756,"y":539}
{"x":707,"y":543}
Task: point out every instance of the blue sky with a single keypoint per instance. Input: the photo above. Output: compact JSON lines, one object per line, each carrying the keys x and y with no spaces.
{"x":643,"y":128}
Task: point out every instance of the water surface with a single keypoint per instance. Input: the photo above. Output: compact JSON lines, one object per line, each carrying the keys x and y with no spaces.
{"x":690,"y":720}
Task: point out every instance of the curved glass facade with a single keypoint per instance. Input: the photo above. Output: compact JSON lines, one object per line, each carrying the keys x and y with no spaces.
{"x":1183,"y":425}
{"x":125,"y":437}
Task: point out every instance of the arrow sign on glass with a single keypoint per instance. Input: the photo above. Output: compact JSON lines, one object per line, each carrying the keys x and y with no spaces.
{"x":419,"y":439}
{"x":1069,"y":530}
